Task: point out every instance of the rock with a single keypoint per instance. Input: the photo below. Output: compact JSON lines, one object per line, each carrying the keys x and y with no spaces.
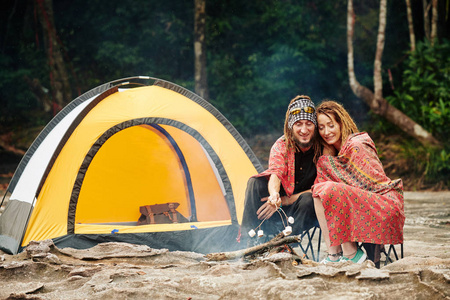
{"x":39,"y":249}
{"x":373,"y":274}
{"x":85,"y":272}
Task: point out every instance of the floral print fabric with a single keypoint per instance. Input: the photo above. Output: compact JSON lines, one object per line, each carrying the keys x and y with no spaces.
{"x":361,"y":203}
{"x":282,"y":164}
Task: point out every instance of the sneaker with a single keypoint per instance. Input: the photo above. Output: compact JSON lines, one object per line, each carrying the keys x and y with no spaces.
{"x":328,"y":260}
{"x":359,"y":257}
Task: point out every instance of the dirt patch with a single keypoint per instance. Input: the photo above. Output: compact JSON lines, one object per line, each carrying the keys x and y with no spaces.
{"x":122,"y":271}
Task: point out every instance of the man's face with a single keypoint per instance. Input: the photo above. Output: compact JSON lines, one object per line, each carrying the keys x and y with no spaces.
{"x":303,"y":131}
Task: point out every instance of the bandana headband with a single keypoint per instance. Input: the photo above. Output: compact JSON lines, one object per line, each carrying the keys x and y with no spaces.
{"x":302,"y":109}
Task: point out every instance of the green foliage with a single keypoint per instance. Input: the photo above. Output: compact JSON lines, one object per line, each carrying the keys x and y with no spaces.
{"x":262,"y":54}
{"x":425,"y":92}
{"x":19,"y":108}
{"x":425,"y":97}
{"x":430,"y":165}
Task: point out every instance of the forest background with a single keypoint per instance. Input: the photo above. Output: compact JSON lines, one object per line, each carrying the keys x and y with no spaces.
{"x":256,"y":56}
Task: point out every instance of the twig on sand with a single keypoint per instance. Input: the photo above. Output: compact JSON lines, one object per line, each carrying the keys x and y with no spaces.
{"x":275,"y":242}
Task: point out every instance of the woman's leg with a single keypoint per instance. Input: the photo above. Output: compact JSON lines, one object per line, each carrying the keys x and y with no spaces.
{"x":320,"y":213}
{"x":349,"y":249}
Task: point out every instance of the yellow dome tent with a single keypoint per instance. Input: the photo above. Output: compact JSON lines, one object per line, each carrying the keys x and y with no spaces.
{"x":121,"y":146}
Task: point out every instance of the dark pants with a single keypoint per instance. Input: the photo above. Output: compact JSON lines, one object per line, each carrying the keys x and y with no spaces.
{"x":301,"y":210}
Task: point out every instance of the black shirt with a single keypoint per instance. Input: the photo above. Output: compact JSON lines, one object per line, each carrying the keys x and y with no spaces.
{"x":305,"y":170}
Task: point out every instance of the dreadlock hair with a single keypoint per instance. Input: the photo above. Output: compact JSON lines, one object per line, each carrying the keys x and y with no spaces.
{"x":342,"y":117}
{"x":291,"y":145}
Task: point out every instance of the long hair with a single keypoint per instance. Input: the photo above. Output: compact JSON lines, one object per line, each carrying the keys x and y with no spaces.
{"x":332,"y":108}
{"x":291,"y":145}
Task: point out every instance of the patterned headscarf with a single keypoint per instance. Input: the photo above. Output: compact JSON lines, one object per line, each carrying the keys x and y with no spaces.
{"x":302,"y":109}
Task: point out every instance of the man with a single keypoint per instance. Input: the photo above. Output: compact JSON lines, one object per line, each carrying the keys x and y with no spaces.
{"x":288,"y":180}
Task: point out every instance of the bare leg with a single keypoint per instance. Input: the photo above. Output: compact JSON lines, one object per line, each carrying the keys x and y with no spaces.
{"x":349,"y":249}
{"x":320,"y":213}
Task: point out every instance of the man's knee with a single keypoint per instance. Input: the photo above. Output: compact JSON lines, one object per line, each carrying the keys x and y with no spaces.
{"x":306,"y":201}
{"x":305,"y":210}
{"x":257,"y":185}
{"x":257,"y":182}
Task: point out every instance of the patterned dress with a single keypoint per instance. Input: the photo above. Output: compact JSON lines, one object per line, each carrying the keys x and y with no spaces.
{"x":361,"y":203}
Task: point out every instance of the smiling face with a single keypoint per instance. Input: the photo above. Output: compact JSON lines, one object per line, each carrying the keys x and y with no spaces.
{"x":303,"y":131}
{"x":330,"y":130}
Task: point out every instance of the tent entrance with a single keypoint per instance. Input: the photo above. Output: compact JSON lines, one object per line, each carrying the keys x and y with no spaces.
{"x":149,"y":164}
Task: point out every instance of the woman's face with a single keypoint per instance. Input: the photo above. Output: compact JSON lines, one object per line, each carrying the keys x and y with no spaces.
{"x":329,"y":130}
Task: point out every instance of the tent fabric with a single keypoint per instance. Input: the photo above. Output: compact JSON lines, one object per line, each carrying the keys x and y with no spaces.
{"x":199,"y":240}
{"x":119,"y":147}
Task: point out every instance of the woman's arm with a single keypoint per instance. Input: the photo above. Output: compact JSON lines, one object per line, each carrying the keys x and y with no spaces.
{"x":285,"y":200}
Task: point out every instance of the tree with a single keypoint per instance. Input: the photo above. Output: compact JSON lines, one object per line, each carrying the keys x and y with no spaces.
{"x":412,"y":36}
{"x":201,"y":82}
{"x":59,"y":79}
{"x":434,"y":19}
{"x":376,"y":102}
{"x":430,"y":25}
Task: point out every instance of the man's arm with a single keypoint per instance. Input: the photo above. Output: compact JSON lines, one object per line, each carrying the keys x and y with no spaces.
{"x":274,"y":188}
{"x":273,"y":202}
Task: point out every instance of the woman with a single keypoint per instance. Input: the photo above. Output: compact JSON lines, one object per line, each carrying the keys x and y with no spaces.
{"x":354,"y":199}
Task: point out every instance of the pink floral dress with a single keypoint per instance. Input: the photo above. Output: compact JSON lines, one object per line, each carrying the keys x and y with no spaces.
{"x":361,"y":203}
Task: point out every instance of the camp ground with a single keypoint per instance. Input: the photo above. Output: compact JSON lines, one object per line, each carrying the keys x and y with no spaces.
{"x":138,"y":160}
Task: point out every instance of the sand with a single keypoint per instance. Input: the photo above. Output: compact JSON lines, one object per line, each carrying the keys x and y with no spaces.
{"x":125,"y":271}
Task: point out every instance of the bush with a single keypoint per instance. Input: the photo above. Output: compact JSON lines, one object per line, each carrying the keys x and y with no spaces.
{"x":425,"y":92}
{"x":425,"y":97}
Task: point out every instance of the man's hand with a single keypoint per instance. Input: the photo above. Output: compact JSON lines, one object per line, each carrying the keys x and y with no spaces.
{"x":270,"y":207}
{"x":275,"y":199}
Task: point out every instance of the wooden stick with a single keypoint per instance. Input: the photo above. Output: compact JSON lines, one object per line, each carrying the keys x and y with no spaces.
{"x":276,"y":241}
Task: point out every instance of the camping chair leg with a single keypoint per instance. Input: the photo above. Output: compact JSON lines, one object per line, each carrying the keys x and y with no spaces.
{"x":309,"y":245}
{"x":373,"y":252}
{"x":318,"y":244}
{"x":301,"y":246}
{"x":387,"y":255}
{"x":394,"y":251}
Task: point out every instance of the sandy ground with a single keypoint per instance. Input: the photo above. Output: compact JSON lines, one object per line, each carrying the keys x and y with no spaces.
{"x":124,"y":271}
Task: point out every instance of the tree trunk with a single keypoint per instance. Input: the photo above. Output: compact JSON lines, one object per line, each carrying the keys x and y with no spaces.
{"x":40,"y":93}
{"x":434,"y":19}
{"x":201,"y":82}
{"x":59,"y":79}
{"x":377,"y":78}
{"x":381,"y":107}
{"x":412,"y":36}
{"x":426,"y":19}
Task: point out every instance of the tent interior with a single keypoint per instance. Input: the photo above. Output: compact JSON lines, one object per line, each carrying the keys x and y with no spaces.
{"x":150,"y":164}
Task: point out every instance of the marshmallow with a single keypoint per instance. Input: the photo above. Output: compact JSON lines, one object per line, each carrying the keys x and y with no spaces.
{"x":291,"y":220}
{"x":287,"y":230}
{"x":251,"y":233}
{"x":260,"y":233}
